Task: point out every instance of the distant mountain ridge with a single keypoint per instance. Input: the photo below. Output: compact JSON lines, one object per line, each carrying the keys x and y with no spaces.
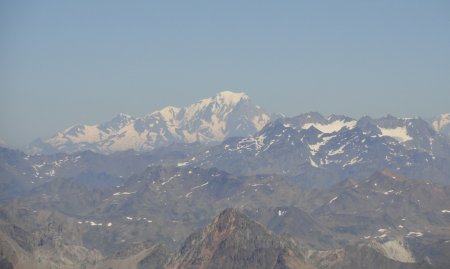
{"x":230,"y":114}
{"x":209,"y":120}
{"x":309,"y":143}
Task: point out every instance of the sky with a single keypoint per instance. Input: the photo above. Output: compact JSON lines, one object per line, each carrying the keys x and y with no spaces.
{"x":69,"y":62}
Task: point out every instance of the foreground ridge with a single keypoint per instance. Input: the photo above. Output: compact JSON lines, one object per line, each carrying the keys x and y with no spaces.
{"x":232,"y":240}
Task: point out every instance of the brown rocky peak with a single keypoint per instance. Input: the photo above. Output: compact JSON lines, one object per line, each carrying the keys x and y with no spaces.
{"x":232,"y":240}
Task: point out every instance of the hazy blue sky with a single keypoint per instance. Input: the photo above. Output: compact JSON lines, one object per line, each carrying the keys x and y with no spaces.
{"x":67,"y":62}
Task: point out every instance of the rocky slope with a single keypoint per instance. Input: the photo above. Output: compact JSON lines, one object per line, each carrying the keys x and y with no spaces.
{"x":20,"y":172}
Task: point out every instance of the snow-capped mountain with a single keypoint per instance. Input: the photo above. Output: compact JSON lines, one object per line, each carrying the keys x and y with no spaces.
{"x":209,"y":120}
{"x":442,"y":124}
{"x":336,"y":144}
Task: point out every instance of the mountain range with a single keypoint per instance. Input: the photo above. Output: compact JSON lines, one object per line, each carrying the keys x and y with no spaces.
{"x":310,"y":146}
{"x":228,"y":114}
{"x":207,"y":121}
{"x":384,"y":221}
{"x":223,"y":184}
{"x":149,"y":220}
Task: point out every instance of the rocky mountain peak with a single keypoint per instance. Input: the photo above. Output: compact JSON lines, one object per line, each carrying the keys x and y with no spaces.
{"x":118,"y":122}
{"x":232,"y":240}
{"x":442,"y":121}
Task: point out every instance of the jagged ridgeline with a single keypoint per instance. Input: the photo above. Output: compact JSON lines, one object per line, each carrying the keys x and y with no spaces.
{"x":207,"y":121}
{"x":230,"y":114}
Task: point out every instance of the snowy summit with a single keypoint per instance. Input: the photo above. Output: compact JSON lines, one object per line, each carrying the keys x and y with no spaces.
{"x":209,"y":120}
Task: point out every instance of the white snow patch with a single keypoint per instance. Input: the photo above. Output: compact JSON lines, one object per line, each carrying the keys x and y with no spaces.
{"x":331,"y":127}
{"x":170,"y":179}
{"x":231,"y":98}
{"x":83,"y":134}
{"x":199,"y":186}
{"x":169,"y":114}
{"x":51,"y":173}
{"x":316,"y":147}
{"x":353,"y":161}
{"x":338,"y":151}
{"x":445,"y":211}
{"x":281,"y":212}
{"x":313,"y":163}
{"x":414,"y":234}
{"x":332,"y":200}
{"x":123,"y":193}
{"x":400,"y":133}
